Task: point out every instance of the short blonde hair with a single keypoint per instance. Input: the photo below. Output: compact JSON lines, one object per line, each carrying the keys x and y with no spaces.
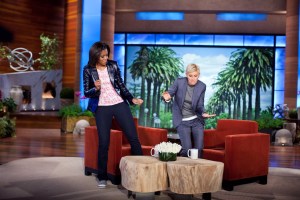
{"x":192,"y":68}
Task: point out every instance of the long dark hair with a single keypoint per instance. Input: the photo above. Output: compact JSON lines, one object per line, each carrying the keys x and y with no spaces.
{"x":95,"y":51}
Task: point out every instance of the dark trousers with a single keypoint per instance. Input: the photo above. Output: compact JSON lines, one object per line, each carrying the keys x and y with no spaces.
{"x":103,"y":116}
{"x":191,"y":136}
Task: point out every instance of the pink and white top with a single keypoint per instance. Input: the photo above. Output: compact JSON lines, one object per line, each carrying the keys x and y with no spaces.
{"x":108,"y":95}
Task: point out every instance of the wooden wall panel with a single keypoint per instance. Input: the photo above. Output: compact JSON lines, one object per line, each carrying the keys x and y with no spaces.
{"x":71,"y":62}
{"x":23,"y":21}
{"x":292,"y":58}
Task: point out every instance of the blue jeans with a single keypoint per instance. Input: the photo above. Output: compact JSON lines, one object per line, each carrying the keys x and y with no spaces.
{"x":103,"y":116}
{"x":191,"y":136}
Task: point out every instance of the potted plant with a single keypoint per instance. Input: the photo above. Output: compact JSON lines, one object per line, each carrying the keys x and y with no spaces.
{"x":4,"y":52}
{"x":49,"y":55}
{"x":8,"y":105}
{"x":66,"y":96}
{"x":7,"y":127}
{"x":293,"y":114}
{"x":71,"y":114}
{"x":268,"y":124}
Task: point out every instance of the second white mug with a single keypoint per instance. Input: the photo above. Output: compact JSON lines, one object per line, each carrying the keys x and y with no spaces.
{"x":154,"y":152}
{"x":192,"y":153}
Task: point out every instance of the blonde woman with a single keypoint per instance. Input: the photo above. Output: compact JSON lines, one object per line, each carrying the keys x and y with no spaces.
{"x":188,"y":109}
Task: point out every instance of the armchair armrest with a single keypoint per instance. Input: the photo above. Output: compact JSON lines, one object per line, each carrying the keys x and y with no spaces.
{"x":151,"y":136}
{"x":115,"y":151}
{"x":91,"y":146}
{"x":249,"y":152}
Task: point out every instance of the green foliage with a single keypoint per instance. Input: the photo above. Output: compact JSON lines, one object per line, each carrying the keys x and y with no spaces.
{"x":74,"y":110}
{"x":211,"y":123}
{"x":49,"y":55}
{"x":67,"y":93}
{"x":165,"y":119}
{"x":134,"y":110}
{"x":7,"y":127}
{"x":267,"y":121}
{"x":9,"y":103}
{"x":293,"y":114}
{"x":4,"y":52}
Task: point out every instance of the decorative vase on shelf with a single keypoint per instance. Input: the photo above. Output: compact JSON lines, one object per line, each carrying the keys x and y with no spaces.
{"x":167,"y":156}
{"x":16,"y":93}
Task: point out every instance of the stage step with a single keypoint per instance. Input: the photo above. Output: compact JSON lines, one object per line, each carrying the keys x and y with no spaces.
{"x":37,"y":120}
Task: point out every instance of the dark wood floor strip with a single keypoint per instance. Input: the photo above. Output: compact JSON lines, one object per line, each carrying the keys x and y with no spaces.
{"x":50,"y":142}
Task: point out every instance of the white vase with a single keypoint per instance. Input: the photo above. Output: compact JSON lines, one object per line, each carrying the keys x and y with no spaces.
{"x":16,"y":93}
{"x":292,"y":128}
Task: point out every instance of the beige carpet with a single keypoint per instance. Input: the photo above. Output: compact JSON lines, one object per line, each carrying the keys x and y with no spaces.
{"x":63,"y":178}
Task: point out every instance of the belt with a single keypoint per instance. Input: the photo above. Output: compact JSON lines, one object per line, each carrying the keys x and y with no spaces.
{"x":189,"y":118}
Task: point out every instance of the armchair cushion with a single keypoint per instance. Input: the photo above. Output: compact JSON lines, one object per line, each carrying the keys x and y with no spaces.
{"x":151,"y":136}
{"x":116,"y":126}
{"x":237,"y":126}
{"x":216,"y":137}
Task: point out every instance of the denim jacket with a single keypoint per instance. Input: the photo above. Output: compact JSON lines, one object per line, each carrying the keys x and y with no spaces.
{"x":90,"y":74}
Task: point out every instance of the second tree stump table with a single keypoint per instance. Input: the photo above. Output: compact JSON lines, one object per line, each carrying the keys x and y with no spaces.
{"x":195,"y":176}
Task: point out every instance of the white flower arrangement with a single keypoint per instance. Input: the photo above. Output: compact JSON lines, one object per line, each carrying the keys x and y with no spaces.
{"x":167,"y":147}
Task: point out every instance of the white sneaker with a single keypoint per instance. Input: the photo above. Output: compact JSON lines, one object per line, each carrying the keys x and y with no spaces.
{"x":101,"y":183}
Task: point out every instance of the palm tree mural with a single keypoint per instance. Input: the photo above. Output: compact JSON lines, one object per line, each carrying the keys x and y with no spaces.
{"x":248,"y":69}
{"x":215,"y":104}
{"x":225,"y":89}
{"x":154,"y":66}
{"x":256,"y":66}
{"x":235,"y":79}
{"x":264,"y":74}
{"x":137,"y":71}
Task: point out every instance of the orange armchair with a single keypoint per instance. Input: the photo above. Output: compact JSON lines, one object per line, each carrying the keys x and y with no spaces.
{"x":243,"y":150}
{"x":118,"y":147}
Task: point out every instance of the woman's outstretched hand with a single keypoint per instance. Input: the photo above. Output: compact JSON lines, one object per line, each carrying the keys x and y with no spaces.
{"x":137,"y":101}
{"x":166,"y":96}
{"x":206,"y":115}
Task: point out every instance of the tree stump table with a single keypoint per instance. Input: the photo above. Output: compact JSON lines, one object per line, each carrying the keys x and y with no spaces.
{"x":195,"y":176}
{"x":143,"y":174}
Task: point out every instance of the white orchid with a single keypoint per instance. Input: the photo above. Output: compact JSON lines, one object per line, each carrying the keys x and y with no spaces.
{"x":168,"y":147}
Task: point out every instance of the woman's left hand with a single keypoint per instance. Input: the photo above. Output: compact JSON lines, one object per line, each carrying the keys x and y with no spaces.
{"x":206,"y":115}
{"x":137,"y":101}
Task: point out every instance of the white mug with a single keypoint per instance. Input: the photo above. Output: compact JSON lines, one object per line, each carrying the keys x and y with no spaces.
{"x":154,"y":152}
{"x":192,"y":153}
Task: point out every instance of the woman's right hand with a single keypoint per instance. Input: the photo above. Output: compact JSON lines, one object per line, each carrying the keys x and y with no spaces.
{"x":97,"y":84}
